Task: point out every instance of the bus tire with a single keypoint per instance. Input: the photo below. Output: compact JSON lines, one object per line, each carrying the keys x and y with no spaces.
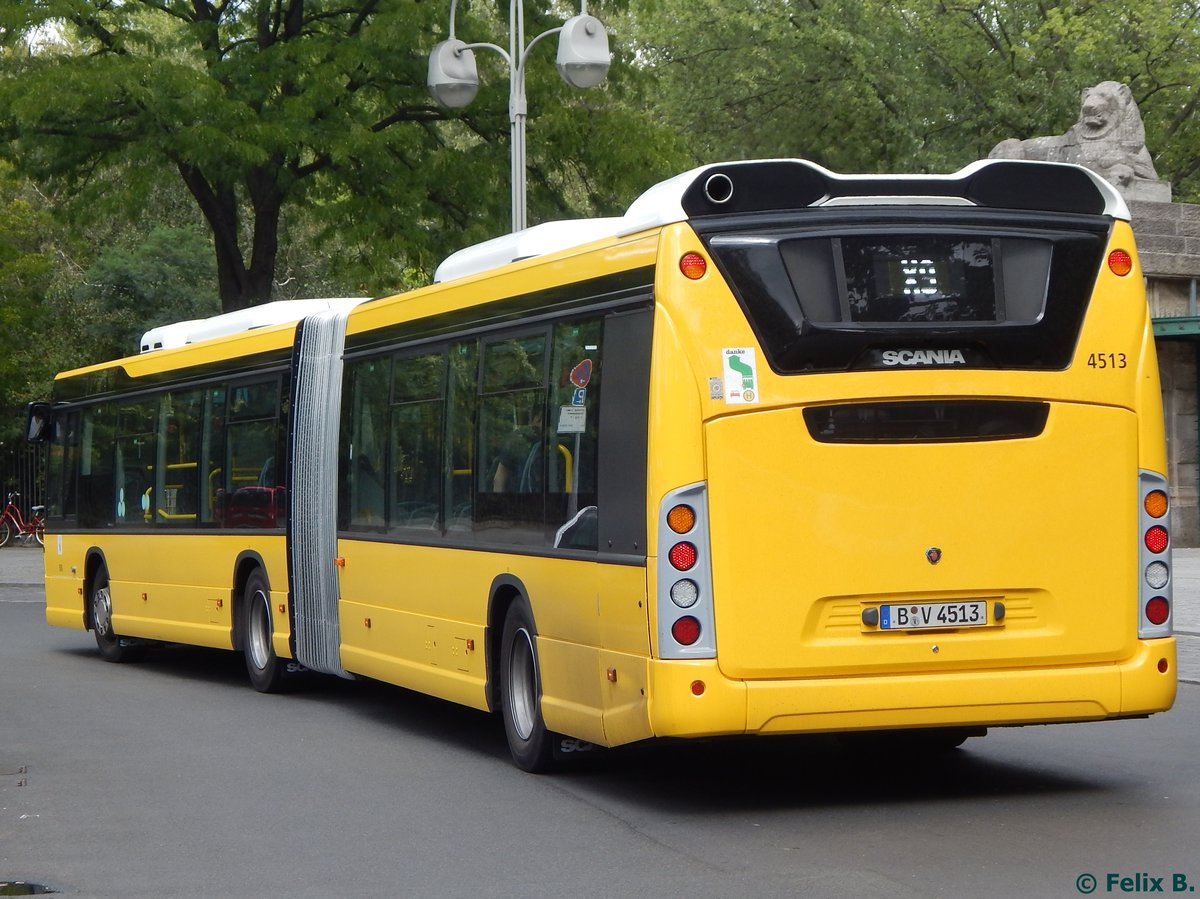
{"x":113,"y":647}
{"x":521,"y":692}
{"x":267,"y":671}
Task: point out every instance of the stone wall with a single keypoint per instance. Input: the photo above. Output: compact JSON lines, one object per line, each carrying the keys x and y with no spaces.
{"x":1177,"y":367}
{"x":1168,"y":238}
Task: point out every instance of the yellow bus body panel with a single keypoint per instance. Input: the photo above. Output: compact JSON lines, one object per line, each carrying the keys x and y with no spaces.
{"x":425,"y":627}
{"x":1011,"y":697}
{"x":180,"y":591}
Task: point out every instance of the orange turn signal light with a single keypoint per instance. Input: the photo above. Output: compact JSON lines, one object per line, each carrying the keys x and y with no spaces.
{"x":1120,"y":263}
{"x":693,"y":266}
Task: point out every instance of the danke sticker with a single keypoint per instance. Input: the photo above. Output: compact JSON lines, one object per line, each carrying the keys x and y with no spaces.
{"x":741,"y":375}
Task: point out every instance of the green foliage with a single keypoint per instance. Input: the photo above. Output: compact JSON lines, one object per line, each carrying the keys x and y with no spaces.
{"x":30,"y":260}
{"x":870,"y":85}
{"x":167,"y":277}
{"x":303,"y":109}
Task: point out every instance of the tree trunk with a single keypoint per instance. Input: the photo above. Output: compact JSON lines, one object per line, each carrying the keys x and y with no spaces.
{"x":240,"y":286}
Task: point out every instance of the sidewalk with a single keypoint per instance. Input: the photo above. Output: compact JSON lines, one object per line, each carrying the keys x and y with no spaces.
{"x":21,"y":566}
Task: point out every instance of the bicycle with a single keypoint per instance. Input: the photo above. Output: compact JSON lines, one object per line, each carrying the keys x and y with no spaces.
{"x":14,"y":526}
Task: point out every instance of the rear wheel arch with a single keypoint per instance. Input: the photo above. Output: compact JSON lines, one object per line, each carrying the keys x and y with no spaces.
{"x":505,"y":590}
{"x":245,"y":566}
{"x":94,"y":561}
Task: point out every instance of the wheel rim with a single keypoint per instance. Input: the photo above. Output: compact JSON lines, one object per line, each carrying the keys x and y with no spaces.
{"x":522,"y":684}
{"x":102,"y":611}
{"x":259,"y":638}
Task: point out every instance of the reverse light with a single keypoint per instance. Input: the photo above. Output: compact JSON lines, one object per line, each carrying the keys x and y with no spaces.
{"x":693,"y":266}
{"x":1120,"y":263}
{"x":1157,"y":575}
{"x":684,"y":593}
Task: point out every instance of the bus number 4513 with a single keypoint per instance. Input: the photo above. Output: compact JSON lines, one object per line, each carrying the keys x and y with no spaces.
{"x":1107,"y":360}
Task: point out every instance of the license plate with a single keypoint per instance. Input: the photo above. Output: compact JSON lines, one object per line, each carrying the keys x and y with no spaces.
{"x":922,"y":615}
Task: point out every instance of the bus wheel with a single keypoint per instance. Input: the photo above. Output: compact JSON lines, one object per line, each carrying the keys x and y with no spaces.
{"x":520,"y":688}
{"x":267,"y":672}
{"x":113,"y":647}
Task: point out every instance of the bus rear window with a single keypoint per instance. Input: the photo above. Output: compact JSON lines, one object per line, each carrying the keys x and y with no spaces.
{"x":930,"y":278}
{"x":997,"y":292}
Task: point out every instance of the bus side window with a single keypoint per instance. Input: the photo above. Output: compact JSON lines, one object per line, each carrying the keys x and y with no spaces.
{"x":212,"y":455}
{"x":61,"y":470}
{"x":135,"y":456}
{"x":416,"y":442}
{"x":96,"y":480}
{"x":510,"y":476}
{"x":254,"y":495}
{"x":574,"y":412}
{"x":365,"y":457}
{"x":177,"y":484}
{"x":462,"y":405}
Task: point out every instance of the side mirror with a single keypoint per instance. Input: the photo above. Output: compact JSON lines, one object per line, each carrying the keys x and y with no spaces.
{"x":40,"y":417}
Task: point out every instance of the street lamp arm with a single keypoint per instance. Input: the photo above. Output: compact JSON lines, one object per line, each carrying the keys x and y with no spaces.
{"x":486,"y":46}
{"x":529,"y":46}
{"x":582,"y":61}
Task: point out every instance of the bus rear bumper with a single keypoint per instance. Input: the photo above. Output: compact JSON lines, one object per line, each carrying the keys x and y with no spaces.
{"x":680,"y":707}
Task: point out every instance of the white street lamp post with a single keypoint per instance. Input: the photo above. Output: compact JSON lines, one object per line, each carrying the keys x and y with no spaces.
{"x":453,"y":80}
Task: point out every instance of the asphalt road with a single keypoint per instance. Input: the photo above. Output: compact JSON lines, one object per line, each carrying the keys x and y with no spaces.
{"x":172,"y":777}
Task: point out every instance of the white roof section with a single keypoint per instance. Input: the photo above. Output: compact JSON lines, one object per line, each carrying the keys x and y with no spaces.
{"x":180,"y":334}
{"x":663,"y":204}
{"x":536,"y":241}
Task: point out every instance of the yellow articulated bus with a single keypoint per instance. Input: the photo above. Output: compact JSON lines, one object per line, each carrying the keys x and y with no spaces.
{"x":778,"y":451}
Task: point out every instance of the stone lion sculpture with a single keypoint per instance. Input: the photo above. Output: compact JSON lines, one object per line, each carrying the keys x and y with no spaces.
{"x":1109,"y":139}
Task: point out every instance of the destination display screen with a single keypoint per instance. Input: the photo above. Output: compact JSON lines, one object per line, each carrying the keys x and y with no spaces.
{"x":927,"y":280}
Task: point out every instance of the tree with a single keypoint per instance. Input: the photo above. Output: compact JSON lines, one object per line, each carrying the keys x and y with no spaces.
{"x":29,"y":262}
{"x":128,"y":290}
{"x":263,"y":107}
{"x":923,"y":85}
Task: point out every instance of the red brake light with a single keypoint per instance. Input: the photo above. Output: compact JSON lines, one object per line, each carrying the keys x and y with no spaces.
{"x":1156,"y":539}
{"x":1120,"y":263}
{"x":1158,"y":610}
{"x":686,"y":630}
{"x":682,"y":556}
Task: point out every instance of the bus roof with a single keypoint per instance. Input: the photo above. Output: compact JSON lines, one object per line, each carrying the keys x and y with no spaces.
{"x":180,"y":334}
{"x":722,"y":189}
{"x":771,"y":185}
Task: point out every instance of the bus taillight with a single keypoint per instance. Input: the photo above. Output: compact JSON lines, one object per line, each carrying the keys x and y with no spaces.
{"x":686,"y":630}
{"x":684,"y":604}
{"x":1120,"y":263}
{"x":1158,"y":610}
{"x":1154,"y":556}
{"x":682,"y":556}
{"x":1156,"y":539}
